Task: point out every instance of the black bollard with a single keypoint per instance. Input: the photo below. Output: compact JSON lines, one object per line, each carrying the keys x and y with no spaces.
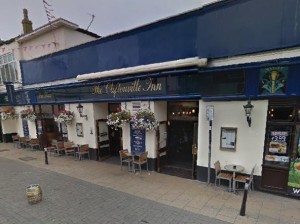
{"x":243,"y":207}
{"x":46,"y":156}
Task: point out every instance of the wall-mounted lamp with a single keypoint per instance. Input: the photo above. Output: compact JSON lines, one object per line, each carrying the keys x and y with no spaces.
{"x":248,"y":108}
{"x":80,"y":110}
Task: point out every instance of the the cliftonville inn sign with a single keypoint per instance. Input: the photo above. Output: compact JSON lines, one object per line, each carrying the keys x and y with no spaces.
{"x":109,"y":90}
{"x":137,"y":86}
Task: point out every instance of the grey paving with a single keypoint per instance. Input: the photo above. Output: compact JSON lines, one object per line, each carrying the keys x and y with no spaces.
{"x":70,"y":200}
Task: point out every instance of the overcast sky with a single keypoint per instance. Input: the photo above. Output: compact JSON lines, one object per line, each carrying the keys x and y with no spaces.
{"x":111,"y":16}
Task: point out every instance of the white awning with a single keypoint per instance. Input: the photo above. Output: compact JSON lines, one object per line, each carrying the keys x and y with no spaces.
{"x":199,"y":62}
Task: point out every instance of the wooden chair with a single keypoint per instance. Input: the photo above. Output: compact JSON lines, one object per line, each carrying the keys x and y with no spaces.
{"x":24,"y":142}
{"x":60,"y":148}
{"x":83,"y":150}
{"x":69,"y":148}
{"x":124,"y":158}
{"x":16,"y":141}
{"x":221,"y":176}
{"x":140,"y":161}
{"x":34,"y":142}
{"x":242,"y":179}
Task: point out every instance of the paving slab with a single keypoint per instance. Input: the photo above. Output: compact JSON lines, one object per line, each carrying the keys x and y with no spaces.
{"x":184,"y":194}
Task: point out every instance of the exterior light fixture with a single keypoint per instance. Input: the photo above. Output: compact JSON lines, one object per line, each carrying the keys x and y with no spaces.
{"x":248,"y":108}
{"x":80,"y":110}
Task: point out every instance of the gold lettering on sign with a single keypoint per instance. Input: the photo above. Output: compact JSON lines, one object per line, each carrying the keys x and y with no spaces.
{"x":97,"y":90}
{"x":133,"y":87}
{"x":152,"y":86}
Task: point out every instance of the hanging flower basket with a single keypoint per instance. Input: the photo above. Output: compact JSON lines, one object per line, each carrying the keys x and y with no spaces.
{"x":117,"y":120}
{"x":64,"y":116}
{"x":144,"y":119}
{"x":8,"y":114}
{"x":28,"y":114}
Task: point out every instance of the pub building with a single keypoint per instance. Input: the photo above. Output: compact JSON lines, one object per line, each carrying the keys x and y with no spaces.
{"x":187,"y":69}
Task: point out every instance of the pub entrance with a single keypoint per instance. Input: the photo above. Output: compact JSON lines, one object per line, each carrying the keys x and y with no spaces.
{"x":109,"y":139}
{"x":280,"y":172}
{"x":182,"y":132}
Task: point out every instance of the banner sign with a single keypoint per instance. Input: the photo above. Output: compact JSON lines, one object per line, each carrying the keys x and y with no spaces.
{"x":137,"y":140}
{"x":109,"y":90}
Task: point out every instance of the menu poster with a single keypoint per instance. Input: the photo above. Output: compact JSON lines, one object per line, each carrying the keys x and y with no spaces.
{"x":278,"y":142}
{"x":294,"y":178}
{"x":138,"y":140}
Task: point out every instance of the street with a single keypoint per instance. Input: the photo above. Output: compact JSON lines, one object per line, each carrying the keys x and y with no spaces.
{"x":70,"y":200}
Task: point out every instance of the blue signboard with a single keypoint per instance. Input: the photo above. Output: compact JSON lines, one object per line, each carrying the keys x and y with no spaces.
{"x":137,"y":140}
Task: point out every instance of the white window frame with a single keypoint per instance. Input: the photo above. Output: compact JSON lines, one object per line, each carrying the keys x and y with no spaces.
{"x":8,"y":68}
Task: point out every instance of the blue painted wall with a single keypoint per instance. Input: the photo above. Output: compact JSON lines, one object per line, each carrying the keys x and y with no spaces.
{"x":229,"y":28}
{"x":242,"y":27}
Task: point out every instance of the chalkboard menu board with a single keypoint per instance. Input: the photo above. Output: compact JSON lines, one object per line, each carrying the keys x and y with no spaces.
{"x":25,"y":127}
{"x":138,"y":140}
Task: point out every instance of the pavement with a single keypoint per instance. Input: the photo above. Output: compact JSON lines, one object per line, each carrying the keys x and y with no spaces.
{"x":157,"y":198}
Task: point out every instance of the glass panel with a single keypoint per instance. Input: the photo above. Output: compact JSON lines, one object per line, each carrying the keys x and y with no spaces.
{"x":281,"y":113}
{"x":14,"y":67}
{"x":6,"y":75}
{"x":10,"y":69}
{"x":114,"y":107}
{"x":9,"y":58}
{"x":57,"y":108}
{"x":1,"y":73}
{"x":183,"y":111}
{"x":4,"y":59}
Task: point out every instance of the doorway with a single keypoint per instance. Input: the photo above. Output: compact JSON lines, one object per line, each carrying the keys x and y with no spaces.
{"x":109,"y":139}
{"x":180,"y":143}
{"x":182,"y":136}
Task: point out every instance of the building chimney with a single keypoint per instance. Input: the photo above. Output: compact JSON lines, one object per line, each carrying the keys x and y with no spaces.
{"x":27,"y":24}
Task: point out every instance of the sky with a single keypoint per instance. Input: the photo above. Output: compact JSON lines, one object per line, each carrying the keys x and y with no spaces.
{"x":111,"y":16}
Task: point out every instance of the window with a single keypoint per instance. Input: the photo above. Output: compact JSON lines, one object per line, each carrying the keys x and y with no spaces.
{"x":281,"y":113}
{"x":223,"y":83}
{"x":8,"y":68}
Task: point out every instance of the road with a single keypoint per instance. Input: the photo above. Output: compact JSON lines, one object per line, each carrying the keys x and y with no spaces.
{"x":70,"y":200}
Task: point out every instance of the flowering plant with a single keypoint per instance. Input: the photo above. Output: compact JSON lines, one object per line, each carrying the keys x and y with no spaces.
{"x":144,"y":119}
{"x":117,"y":120}
{"x":8,"y":114}
{"x":64,"y":116}
{"x":28,"y":114}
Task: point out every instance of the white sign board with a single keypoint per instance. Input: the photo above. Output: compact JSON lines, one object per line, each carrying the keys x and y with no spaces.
{"x":209,"y":112}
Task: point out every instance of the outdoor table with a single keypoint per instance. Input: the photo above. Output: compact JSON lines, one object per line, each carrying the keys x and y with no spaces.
{"x":234,"y":168}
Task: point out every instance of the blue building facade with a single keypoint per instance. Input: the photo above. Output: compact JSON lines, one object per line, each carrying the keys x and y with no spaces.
{"x":251,"y":51}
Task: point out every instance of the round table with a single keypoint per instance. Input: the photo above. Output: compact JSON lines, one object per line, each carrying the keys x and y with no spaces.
{"x":234,"y":168}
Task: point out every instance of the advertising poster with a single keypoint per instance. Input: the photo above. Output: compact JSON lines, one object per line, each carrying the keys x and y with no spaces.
{"x":294,"y":178}
{"x":278,"y":142}
{"x":138,"y":140}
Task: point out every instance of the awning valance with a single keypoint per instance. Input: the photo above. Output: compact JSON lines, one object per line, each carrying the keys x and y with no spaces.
{"x":199,"y":62}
